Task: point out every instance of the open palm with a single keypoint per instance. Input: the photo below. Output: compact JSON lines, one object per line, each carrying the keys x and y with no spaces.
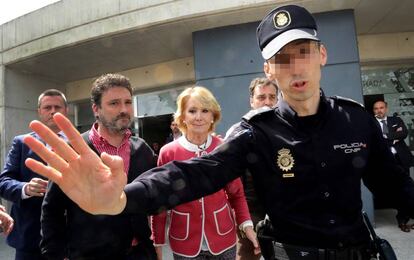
{"x":95,"y":183}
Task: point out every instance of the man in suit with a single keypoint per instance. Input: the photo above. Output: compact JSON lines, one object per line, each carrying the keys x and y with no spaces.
{"x":395,"y":131}
{"x":70,"y":232}
{"x":24,"y":188}
{"x":263,"y":93}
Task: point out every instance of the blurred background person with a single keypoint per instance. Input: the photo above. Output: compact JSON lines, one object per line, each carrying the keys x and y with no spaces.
{"x":263,"y":93}
{"x":204,"y":228}
{"x":156,"y":147}
{"x":175,"y":132}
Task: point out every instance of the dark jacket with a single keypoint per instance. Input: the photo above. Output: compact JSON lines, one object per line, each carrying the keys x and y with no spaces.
{"x":397,"y":132}
{"x":26,"y":213}
{"x":306,"y":171}
{"x":69,"y":231}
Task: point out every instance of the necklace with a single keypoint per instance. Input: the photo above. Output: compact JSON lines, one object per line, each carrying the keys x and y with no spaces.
{"x":201,"y":149}
{"x":198,"y":150}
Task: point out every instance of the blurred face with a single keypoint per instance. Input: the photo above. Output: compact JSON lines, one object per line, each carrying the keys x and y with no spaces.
{"x":115,"y":111}
{"x":263,"y":96}
{"x":197,"y":118}
{"x":50,"y":105}
{"x":174,"y":127}
{"x":380,"y":109}
{"x":155,"y":146}
{"x":297,"y":71}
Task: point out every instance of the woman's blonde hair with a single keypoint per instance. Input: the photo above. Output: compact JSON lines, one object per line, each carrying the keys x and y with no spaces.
{"x":207,"y":100}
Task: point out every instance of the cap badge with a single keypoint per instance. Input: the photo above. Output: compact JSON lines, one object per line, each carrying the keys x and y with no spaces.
{"x":281,"y":19}
{"x":285,"y":160}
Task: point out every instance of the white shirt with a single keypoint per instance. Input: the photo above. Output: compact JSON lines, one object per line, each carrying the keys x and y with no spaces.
{"x":385,"y":136}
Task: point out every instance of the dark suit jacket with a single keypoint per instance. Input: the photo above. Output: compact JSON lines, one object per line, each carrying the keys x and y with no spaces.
{"x":26,"y":213}
{"x":69,"y":231}
{"x":396,"y":139}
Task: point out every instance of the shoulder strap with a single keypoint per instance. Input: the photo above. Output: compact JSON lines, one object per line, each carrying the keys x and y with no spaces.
{"x":256,"y":112}
{"x":349,"y":101}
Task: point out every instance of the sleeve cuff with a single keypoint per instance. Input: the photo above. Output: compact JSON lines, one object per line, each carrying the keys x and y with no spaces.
{"x":246,"y":224}
{"x":24,"y":195}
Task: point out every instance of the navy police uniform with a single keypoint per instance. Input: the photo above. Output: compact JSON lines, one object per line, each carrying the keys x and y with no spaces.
{"x":307,"y":172}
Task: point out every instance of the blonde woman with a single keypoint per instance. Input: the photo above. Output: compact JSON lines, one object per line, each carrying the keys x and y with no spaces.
{"x":204,"y":228}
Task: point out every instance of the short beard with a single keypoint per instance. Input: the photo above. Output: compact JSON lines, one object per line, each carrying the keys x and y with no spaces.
{"x":112,"y":126}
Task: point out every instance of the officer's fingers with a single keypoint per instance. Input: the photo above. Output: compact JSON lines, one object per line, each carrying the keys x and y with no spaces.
{"x":115,"y":163}
{"x":73,"y":135}
{"x":58,"y":144}
{"x":44,"y":170}
{"x":50,"y":157}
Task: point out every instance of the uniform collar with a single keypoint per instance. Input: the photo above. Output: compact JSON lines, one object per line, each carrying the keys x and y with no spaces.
{"x":290,"y":115}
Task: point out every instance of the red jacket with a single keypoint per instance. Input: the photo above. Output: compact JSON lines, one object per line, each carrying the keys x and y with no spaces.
{"x":210,"y":217}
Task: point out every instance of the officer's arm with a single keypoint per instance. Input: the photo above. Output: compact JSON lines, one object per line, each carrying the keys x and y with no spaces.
{"x":178,"y":182}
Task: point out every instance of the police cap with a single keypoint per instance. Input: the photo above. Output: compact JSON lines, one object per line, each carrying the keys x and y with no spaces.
{"x":282,"y":26}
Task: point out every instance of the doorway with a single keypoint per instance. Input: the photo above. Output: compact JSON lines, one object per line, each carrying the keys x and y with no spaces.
{"x":155,"y":129}
{"x":154,"y":112}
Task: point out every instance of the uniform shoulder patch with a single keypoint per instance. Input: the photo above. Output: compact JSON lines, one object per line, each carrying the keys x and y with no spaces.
{"x":255,"y":112}
{"x":348,"y":101}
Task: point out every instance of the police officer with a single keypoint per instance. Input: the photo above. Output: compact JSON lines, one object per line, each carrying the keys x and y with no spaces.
{"x":307,"y":157}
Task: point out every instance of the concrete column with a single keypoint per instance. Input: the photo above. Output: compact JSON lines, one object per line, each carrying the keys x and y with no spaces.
{"x":2,"y":109}
{"x":2,"y":126}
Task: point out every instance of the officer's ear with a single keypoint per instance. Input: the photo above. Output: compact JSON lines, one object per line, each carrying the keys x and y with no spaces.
{"x":323,"y":55}
{"x":266,"y":69}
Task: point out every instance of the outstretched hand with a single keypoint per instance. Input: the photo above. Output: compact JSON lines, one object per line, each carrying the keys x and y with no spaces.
{"x":94,"y":183}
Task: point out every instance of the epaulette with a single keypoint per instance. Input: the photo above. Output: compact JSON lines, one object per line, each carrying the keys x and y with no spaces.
{"x":255,"y":112}
{"x":348,"y":101}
